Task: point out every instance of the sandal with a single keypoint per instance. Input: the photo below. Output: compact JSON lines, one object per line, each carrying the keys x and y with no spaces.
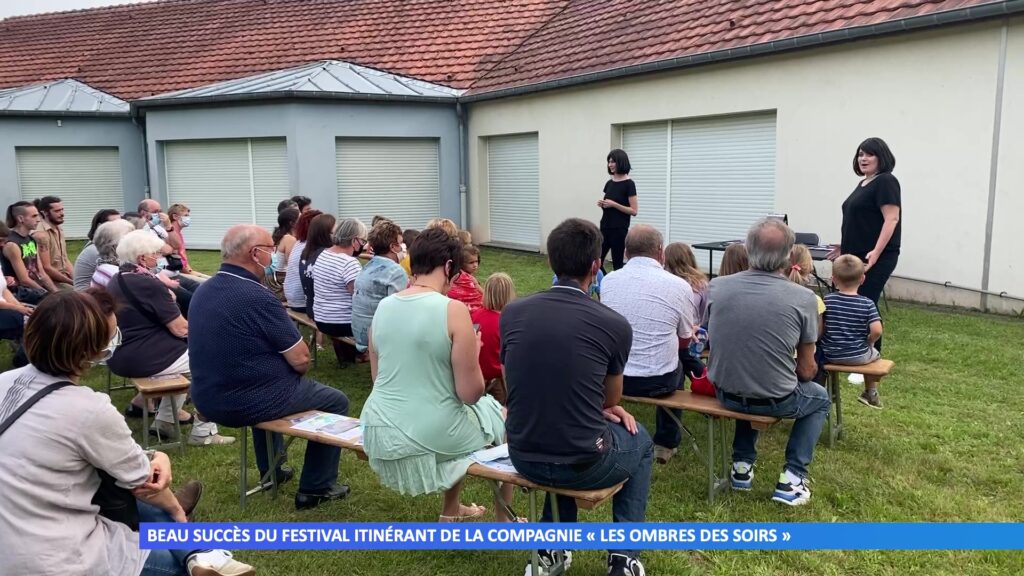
{"x":471,"y":512}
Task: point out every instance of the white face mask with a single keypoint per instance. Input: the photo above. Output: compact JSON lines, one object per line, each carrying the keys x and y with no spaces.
{"x":403,"y":253}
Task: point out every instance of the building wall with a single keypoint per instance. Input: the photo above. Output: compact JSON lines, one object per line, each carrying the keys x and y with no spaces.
{"x":930,"y":95}
{"x":311,"y":129}
{"x":18,"y":131}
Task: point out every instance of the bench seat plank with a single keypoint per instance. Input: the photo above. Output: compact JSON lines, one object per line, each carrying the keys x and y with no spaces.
{"x":686,"y":400}
{"x":880,"y":368}
{"x":586,"y":499}
{"x":161,"y":385}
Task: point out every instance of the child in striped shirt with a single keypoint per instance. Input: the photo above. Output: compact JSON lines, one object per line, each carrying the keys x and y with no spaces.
{"x":852,"y":324}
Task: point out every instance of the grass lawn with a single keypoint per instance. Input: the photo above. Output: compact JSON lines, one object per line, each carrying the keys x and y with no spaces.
{"x":945,"y":449}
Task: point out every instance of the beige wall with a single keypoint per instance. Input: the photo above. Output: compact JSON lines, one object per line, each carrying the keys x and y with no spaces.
{"x":930,"y":95}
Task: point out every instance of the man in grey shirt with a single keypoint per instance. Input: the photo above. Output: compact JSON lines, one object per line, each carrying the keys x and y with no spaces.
{"x":756,"y":320}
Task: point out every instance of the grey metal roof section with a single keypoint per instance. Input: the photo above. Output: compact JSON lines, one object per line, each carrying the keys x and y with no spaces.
{"x":332,"y":79}
{"x":65,"y":97}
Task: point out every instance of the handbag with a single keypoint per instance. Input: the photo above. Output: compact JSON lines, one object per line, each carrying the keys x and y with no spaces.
{"x":116,"y":503}
{"x":174,"y":263}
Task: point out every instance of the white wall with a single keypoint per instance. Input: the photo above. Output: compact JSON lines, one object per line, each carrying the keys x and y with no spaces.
{"x":930,"y":95}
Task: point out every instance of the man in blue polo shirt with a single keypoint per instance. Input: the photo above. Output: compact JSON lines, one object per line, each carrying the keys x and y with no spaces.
{"x":564,"y":356}
{"x":248,"y":361}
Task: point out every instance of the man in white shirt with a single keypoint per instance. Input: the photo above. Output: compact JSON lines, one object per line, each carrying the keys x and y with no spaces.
{"x":182,"y":286}
{"x":657,"y":305}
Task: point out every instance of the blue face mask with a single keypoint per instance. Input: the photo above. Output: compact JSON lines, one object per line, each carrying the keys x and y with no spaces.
{"x":275,"y":262}
{"x":154,"y":219}
{"x":186,"y":221}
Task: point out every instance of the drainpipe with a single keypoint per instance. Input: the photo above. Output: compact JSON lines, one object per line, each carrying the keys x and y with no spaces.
{"x":463,"y":166}
{"x":145,"y":151}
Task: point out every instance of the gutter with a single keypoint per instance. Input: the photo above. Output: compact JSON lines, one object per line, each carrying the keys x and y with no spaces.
{"x":148,"y":192}
{"x":461,"y":112}
{"x":64,"y":113}
{"x":286,"y":94}
{"x":913,"y":23}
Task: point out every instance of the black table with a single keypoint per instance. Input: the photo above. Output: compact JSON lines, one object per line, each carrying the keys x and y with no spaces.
{"x":818,"y":253}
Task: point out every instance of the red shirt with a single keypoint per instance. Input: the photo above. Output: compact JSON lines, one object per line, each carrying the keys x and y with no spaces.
{"x":490,"y":335}
{"x":467,"y":290}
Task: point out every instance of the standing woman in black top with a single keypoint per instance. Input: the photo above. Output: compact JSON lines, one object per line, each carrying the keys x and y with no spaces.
{"x":619,"y":204}
{"x":871,"y":217}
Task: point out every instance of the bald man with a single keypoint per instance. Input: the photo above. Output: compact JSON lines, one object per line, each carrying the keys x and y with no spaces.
{"x":248,"y":362}
{"x":657,"y":305}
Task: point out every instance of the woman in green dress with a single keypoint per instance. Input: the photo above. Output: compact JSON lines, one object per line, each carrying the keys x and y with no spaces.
{"x":428,"y":412}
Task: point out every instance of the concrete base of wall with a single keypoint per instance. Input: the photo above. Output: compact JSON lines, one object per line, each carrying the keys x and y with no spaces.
{"x":927,"y":293}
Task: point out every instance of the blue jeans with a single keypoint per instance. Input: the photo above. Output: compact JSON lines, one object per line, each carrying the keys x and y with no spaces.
{"x":628,"y":458}
{"x":666,"y":431}
{"x":162,"y":562}
{"x":808,"y":405}
{"x":320,"y":467}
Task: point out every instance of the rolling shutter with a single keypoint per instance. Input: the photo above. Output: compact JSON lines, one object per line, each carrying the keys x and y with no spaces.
{"x":397,"y":178}
{"x":514,"y":189}
{"x":647,"y":146}
{"x":723,"y":177}
{"x":226,"y":182}
{"x":86,"y":179}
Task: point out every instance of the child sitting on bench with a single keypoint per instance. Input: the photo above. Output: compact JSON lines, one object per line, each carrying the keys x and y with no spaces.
{"x":852,"y":325}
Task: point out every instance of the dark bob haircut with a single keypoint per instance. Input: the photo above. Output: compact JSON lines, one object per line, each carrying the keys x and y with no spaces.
{"x":301,"y":201}
{"x":621,"y":160}
{"x":879,"y":149}
{"x":434,"y":247}
{"x":573,"y":246}
{"x":68,"y":331}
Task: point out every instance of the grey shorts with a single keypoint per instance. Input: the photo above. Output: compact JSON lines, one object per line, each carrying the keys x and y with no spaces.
{"x":866,"y":358}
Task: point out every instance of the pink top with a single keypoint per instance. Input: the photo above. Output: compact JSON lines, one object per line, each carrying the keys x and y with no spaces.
{"x":176,"y":232}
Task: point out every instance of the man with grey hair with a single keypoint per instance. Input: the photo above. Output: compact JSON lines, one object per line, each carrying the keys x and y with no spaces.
{"x":756,"y":320}
{"x":248,"y":362}
{"x":656,"y":303}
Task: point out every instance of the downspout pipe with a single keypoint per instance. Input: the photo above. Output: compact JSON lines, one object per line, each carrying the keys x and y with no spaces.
{"x":135,"y":116}
{"x":460,"y":111}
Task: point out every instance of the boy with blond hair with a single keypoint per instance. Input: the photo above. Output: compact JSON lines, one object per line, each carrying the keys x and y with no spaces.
{"x":852,"y":324}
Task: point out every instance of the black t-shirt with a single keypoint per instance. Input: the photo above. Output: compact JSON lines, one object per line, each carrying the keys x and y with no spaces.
{"x":862,"y":215}
{"x":147,"y":348}
{"x":29,"y":255}
{"x":306,"y":278}
{"x":557,"y":347}
{"x":621,"y":193}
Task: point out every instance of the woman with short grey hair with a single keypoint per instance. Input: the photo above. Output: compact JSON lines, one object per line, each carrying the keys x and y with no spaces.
{"x":106,"y":239}
{"x":334,"y":277}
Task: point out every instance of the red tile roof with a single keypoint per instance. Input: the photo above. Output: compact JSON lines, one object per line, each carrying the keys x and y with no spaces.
{"x":138,"y":50}
{"x":596,"y":35}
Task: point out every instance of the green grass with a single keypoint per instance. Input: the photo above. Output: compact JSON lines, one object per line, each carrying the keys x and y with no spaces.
{"x":945,"y":449}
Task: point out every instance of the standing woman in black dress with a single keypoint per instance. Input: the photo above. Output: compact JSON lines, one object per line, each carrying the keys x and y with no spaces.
{"x":619,"y":204}
{"x":871,"y":217}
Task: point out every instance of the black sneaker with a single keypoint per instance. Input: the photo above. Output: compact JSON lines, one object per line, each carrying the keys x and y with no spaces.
{"x":284,"y":474}
{"x":547,"y":561}
{"x":622,"y":565}
{"x":305,"y":501}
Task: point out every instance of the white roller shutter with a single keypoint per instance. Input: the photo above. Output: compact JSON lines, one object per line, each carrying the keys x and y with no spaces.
{"x":226,"y":182}
{"x":723,"y":177}
{"x":86,"y":179}
{"x":514,"y":189}
{"x":647,"y":146}
{"x":270,"y":178}
{"x":397,"y":178}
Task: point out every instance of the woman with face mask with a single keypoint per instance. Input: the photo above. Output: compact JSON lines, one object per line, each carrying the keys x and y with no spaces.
{"x":334,"y":278}
{"x":382,"y":277}
{"x":428,"y":412}
{"x":180,"y":218}
{"x":155,"y":334}
{"x":62,"y":435}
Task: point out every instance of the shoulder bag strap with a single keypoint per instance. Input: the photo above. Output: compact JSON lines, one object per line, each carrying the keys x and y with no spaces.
{"x":135,"y":301}
{"x":30,"y":402}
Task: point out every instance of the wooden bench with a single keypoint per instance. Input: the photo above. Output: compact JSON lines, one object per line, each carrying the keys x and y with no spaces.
{"x":158,"y":387}
{"x":586,"y":499}
{"x":304,"y":320}
{"x":715,"y":414}
{"x":878,"y":369}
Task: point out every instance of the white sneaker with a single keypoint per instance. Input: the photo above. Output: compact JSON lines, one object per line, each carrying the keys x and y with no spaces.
{"x":791,"y":493}
{"x":857,"y":379}
{"x":547,"y":561}
{"x":217,"y":563}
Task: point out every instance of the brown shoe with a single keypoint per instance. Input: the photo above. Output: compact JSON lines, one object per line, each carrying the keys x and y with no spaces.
{"x":188,"y":496}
